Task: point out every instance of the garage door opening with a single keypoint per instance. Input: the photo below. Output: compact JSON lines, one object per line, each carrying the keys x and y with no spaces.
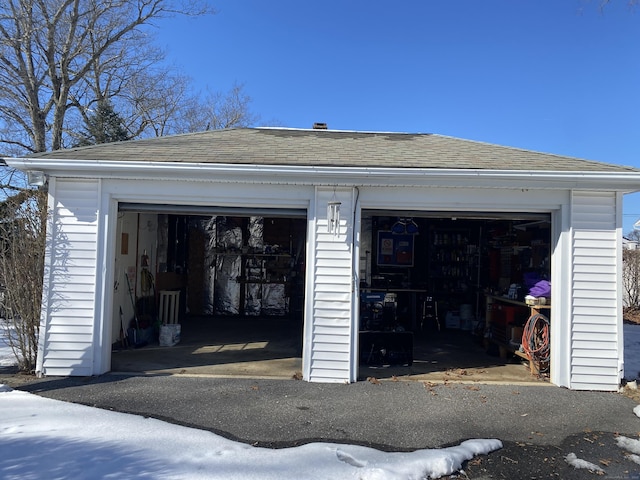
{"x":209,"y":290}
{"x":442,"y":295}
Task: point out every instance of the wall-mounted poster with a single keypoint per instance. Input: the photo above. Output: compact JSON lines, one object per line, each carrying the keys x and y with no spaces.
{"x":395,"y":250}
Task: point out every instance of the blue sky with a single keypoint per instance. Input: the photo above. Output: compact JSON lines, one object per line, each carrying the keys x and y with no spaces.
{"x":559,"y":76}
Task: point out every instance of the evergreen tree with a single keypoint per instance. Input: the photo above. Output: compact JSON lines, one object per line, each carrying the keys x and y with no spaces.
{"x":104,"y":126}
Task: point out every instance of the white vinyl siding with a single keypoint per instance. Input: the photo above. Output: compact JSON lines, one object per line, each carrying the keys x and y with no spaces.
{"x":70,"y":279}
{"x":595,"y":326}
{"x":330,"y":322}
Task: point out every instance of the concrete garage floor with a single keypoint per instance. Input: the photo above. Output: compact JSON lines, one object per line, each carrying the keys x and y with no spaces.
{"x":272,"y":348}
{"x":222,"y":346}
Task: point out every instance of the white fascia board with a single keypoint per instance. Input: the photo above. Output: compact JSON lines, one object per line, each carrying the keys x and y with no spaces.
{"x":626,"y":182}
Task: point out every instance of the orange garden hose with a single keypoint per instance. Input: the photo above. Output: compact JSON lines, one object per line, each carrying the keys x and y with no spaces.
{"x":535,"y":341}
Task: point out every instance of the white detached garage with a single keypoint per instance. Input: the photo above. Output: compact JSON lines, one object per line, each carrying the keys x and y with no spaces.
{"x":485,"y":218}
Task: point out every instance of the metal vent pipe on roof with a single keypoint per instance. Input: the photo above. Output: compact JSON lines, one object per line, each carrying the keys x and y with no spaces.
{"x":319,"y":126}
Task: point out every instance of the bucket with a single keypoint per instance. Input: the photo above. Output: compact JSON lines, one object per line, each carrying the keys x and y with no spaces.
{"x":169,"y":335}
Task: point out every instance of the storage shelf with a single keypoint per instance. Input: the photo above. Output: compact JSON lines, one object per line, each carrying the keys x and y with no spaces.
{"x":261,"y":255}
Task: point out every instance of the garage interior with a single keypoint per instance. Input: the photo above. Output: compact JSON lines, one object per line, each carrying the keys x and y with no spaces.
{"x":442,"y":295}
{"x":231,"y":280}
{"x":446,"y":293}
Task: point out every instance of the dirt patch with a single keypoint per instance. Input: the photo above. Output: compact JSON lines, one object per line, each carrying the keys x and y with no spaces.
{"x":631,"y":315}
{"x":632,"y":393}
{"x":531,"y":461}
{"x":11,"y":377}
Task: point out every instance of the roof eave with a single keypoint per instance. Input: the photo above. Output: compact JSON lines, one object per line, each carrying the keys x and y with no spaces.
{"x":319,"y":175}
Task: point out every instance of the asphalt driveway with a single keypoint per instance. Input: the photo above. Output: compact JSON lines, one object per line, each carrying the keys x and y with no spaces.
{"x":539,"y":425}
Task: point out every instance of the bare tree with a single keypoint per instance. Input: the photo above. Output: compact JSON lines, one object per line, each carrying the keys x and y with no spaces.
{"x":225,"y":110}
{"x":55,"y":56}
{"x":22,"y":238}
{"x":144,"y":92}
{"x":172,"y":108}
{"x":162,"y":110}
{"x":48,"y":48}
{"x":631,"y":277}
{"x":169,"y":107}
{"x":631,"y":272}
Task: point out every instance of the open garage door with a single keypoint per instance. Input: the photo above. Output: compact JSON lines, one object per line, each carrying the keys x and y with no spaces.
{"x":231,"y":278}
{"x":444,"y":293}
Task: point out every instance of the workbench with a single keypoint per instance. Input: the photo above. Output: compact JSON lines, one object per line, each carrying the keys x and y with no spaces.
{"x":505,"y":319}
{"x":413,"y":296}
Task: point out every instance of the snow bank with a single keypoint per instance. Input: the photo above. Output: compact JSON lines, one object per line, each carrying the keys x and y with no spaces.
{"x":576,"y":462}
{"x":629,"y":444}
{"x":43,"y":438}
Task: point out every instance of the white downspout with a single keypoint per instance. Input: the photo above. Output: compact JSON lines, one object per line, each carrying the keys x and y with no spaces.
{"x":309,"y":281}
{"x":619,"y":294}
{"x":355,"y":285}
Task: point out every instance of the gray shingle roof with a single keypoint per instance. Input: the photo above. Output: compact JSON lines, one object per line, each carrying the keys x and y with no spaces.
{"x":257,"y":146}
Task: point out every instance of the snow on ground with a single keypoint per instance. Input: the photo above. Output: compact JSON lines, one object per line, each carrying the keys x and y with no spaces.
{"x":43,"y":438}
{"x":7,"y":358}
{"x":576,"y":462}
